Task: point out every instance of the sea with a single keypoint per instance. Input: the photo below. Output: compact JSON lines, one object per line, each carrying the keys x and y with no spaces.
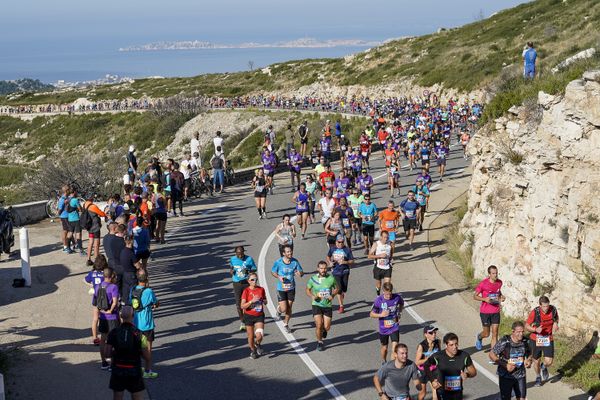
{"x":93,"y":64}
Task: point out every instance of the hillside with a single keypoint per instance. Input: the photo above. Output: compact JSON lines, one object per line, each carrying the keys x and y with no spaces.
{"x":464,"y":59}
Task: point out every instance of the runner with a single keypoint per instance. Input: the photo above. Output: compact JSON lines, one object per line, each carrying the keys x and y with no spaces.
{"x":367,"y":212}
{"x":412,"y":151}
{"x":344,"y":143}
{"x":388,"y":309}
{"x":334,"y":228}
{"x":285,"y":270}
{"x":311,"y":188}
{"x":240,"y":266}
{"x":365,"y":149}
{"x":64,"y":215}
{"x":382,"y":253}
{"x":393,"y":173}
{"x":254,"y":299}
{"x":425,"y":349}
{"x":269,"y":163}
{"x":464,"y":141}
{"x":355,"y":200}
{"x":396,"y":375}
{"x":325,"y":145}
{"x":321,"y":288}
{"x":285,"y":232}
{"x":346,"y":215}
{"x":355,"y":162}
{"x":489,"y":293}
{"x":543,"y":324}
{"x":302,"y":201}
{"x":295,"y":164}
{"x":452,"y":368}
{"x":513,"y":355}
{"x":327,"y":178}
{"x":422,"y":195}
{"x":389,"y":222}
{"x":326,"y":205}
{"x":441,"y":154}
{"x":339,"y":259}
{"x":364,"y":182}
{"x":260,"y":185}
{"x":410,"y":211}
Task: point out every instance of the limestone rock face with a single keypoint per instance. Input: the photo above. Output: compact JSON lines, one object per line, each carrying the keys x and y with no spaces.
{"x":534,"y":204}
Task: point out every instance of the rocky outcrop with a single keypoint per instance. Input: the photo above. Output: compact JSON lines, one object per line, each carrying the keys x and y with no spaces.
{"x":534,"y":209}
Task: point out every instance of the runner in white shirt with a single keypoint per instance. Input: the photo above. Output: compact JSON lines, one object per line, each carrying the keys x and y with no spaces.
{"x":195,"y":144}
{"x":382,"y":253}
{"x":326,"y":205}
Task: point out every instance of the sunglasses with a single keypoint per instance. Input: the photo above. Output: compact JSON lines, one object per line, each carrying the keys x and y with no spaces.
{"x":340,"y":242}
{"x":251,"y":280}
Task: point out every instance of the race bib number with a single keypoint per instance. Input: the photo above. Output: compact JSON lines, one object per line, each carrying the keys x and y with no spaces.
{"x":338,"y":256}
{"x":258,"y":307}
{"x":382,"y":263}
{"x":324,"y":293}
{"x":259,"y":188}
{"x":401,"y":397}
{"x":516,"y":360}
{"x":425,"y":156}
{"x":420,"y":198}
{"x":389,"y":323}
{"x":365,"y":191}
{"x":286,"y":286}
{"x":494,"y":297}
{"x":346,"y":222}
{"x":409,"y":213}
{"x":389,"y":224}
{"x":328,"y":184}
{"x":266,"y":171}
{"x":368,"y":218}
{"x":542,"y":341}
{"x":364,"y":153}
{"x":452,"y":383}
{"x":241,"y":273}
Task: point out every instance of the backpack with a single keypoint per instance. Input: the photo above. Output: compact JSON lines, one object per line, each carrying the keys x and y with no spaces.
{"x":85,"y":219}
{"x":70,"y":208}
{"x":136,"y":299}
{"x":537,"y":319}
{"x":102,"y":299}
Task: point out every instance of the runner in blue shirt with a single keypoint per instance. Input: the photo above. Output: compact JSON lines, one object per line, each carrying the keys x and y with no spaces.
{"x":422,"y":196}
{"x":409,"y":208}
{"x":285,"y":270}
{"x":240,"y":266}
{"x":367,"y":211}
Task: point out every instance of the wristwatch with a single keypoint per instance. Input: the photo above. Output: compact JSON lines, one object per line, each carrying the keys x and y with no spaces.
{"x":380,"y":394}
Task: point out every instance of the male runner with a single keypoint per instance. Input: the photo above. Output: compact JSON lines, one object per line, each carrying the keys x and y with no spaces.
{"x":388,"y":221}
{"x":452,"y":368}
{"x":285,"y":270}
{"x":410,"y":211}
{"x":355,"y":200}
{"x":240,"y":266}
{"x":387,"y":308}
{"x":339,"y":259}
{"x":512,"y":354}
{"x":321,"y":288}
{"x":364,"y":182}
{"x":396,"y":375}
{"x":489,"y":294}
{"x":382,"y":253}
{"x":367,"y":211}
{"x":542,"y":323}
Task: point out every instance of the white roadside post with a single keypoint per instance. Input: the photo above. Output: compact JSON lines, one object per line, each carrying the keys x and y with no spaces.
{"x":25,"y":265}
{"x":2,"y":387}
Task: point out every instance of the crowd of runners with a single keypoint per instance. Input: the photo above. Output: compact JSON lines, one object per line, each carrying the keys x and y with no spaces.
{"x":331,"y":192}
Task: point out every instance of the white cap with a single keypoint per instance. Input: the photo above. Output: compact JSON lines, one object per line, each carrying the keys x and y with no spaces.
{"x":131,"y":148}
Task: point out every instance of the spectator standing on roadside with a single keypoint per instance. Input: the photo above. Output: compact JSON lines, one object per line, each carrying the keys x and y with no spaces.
{"x":529,"y":59}
{"x":186,"y":169}
{"x":270,"y":134}
{"x":131,"y":164}
{"x":218,"y":142}
{"x":218,"y":164}
{"x":195,"y":143}
{"x":64,"y":217}
{"x":73,"y":209}
{"x":130,"y":265}
{"x":177,"y":186}
{"x":144,"y":301}
{"x":107,"y":300}
{"x":94,"y":213}
{"x":303,"y":133}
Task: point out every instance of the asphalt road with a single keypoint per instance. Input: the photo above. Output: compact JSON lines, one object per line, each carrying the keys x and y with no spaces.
{"x":199,"y":351}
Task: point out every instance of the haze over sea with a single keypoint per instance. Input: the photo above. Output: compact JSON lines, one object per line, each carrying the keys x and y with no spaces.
{"x":76,"y":41}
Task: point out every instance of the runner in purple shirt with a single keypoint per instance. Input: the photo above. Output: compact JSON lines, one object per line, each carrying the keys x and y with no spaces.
{"x":295,"y":163}
{"x":365,"y":181}
{"x":269,"y":163}
{"x":387,"y":307}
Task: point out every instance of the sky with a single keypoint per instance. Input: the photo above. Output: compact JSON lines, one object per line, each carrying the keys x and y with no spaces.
{"x":29,"y":26}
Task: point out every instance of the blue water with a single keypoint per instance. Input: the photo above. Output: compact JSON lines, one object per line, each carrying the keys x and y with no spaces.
{"x":51,"y":66}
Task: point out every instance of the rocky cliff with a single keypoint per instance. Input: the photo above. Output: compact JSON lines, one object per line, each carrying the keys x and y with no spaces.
{"x":534,"y":209}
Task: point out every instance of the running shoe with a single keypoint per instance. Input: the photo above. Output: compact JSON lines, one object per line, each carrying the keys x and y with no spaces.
{"x":67,"y":250}
{"x":341,"y":310}
{"x":253,"y":355}
{"x":105,"y":366}
{"x":150,"y":374}
{"x":287,"y":328}
{"x":478,"y":343}
{"x":259,"y":350}
{"x":82,"y":253}
{"x":96,"y":342}
{"x":538,"y":382}
{"x":89,"y":262}
{"x":324,"y":334}
{"x":265,"y":215}
{"x":242,"y":327}
{"x":545,"y":373}
{"x":320,"y":346}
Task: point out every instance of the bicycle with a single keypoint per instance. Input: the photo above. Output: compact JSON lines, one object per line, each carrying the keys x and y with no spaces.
{"x":52,"y":205}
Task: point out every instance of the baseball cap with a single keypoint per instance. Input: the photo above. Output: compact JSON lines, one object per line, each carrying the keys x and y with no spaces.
{"x":429,"y":329}
{"x":363,"y":170}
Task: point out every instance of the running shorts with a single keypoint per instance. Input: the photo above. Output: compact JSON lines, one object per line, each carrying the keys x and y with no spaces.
{"x":341,"y":282}
{"x":379,"y":274}
{"x":65,"y":224}
{"x":508,"y":384}
{"x":368,"y":230}
{"x":324,"y":311}
{"x":250,"y":320}
{"x":132,"y":384}
{"x":489,"y":319}
{"x":385,"y":339}
{"x":74,"y":226}
{"x":409,"y":224}
{"x":289,"y":295}
{"x":107,"y":325}
{"x":537,"y":351}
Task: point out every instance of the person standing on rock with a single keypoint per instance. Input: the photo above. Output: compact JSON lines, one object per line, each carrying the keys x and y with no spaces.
{"x":529,"y":59}
{"x":489,"y":293}
{"x":218,"y":142}
{"x":195,"y":144}
{"x":303,"y":133}
{"x":132,"y":164}
{"x":289,"y":140}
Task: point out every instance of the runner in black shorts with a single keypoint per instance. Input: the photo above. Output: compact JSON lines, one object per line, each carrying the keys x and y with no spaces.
{"x":321,"y":288}
{"x":254,"y":300}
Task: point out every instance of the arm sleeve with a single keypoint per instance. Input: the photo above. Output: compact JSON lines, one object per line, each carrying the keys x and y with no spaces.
{"x":468,"y":361}
{"x":94,"y":208}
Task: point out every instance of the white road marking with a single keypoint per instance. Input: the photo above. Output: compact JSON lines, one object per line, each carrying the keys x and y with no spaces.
{"x":437,"y":185}
{"x":288,"y":336}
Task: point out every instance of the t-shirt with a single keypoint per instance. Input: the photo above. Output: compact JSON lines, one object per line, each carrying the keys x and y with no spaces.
{"x":327,"y":206}
{"x":448,"y":369}
{"x":368,"y":212}
{"x":421,"y":194}
{"x":218,"y":142}
{"x":286,"y":271}
{"x":389,"y":324}
{"x":323,"y":286}
{"x":396,"y":380}
{"x":113,"y":245}
{"x":492,"y":290}
{"x":62,"y":207}
{"x":112,"y":292}
{"x":364,"y":182}
{"x":354,"y":203}
{"x":546,"y":322}
{"x":73,"y":216}
{"x":194,"y":146}
{"x":388,"y":219}
{"x":127,"y":260}
{"x":409,"y":208}
{"x":513,"y":353}
{"x":241,"y":267}
{"x":126,"y":361}
{"x":258,"y":308}
{"x":144,"y":319}
{"x":336,"y":255}
{"x":95,"y":278}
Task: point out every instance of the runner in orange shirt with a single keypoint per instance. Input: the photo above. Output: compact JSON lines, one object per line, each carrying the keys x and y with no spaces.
{"x":388,"y":222}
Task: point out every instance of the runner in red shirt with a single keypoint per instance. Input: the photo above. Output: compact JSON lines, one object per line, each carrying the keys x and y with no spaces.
{"x":489,"y":294}
{"x":365,"y":148}
{"x":253,"y":302}
{"x":542,"y":323}
{"x":327,"y":178}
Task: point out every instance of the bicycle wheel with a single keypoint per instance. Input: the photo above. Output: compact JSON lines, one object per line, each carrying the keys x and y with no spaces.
{"x":52,"y":208}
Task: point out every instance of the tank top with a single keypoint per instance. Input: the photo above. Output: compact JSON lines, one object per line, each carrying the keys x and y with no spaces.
{"x":425,"y":346}
{"x":336,"y":226}
{"x":286,"y":233}
{"x":383,"y":248}
{"x":302,"y":202}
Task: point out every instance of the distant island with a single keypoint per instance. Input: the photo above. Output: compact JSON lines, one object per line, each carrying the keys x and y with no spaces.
{"x":298,"y":43}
